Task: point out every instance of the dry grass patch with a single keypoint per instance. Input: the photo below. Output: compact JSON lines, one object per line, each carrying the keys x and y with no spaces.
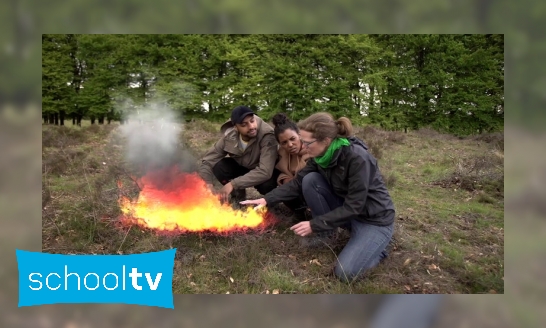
{"x":80,"y":215}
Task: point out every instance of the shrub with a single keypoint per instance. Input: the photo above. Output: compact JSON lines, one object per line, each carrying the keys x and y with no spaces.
{"x":496,"y":139}
{"x":482,"y":172}
{"x":378,"y":139}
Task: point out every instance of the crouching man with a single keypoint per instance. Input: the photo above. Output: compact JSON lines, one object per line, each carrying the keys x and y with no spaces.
{"x":245,"y":156}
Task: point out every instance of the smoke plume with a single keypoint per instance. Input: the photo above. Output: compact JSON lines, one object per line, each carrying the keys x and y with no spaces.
{"x":153,"y":138}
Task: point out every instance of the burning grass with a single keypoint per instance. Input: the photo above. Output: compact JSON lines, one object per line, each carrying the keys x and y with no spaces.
{"x":442,"y":231}
{"x":178,"y":202}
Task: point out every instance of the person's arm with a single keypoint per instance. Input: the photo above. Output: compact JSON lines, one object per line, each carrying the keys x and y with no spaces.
{"x":287,"y":191}
{"x":211,"y":157}
{"x":358,"y":176}
{"x":284,"y":178}
{"x":282,"y":165}
{"x":264,"y":170}
{"x":291,"y":189}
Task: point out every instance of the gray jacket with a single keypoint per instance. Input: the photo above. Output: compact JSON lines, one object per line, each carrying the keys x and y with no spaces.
{"x":260,"y":156}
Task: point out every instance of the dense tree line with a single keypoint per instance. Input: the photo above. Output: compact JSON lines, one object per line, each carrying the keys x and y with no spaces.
{"x":452,"y":83}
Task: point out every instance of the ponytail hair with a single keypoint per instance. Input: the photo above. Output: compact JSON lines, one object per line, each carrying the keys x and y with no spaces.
{"x":344,"y":127}
{"x":282,"y":123}
{"x":322,"y":125}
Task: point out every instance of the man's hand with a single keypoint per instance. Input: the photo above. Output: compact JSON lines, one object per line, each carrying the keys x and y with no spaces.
{"x":225,"y":191}
{"x":302,"y":228}
{"x":259,"y":202}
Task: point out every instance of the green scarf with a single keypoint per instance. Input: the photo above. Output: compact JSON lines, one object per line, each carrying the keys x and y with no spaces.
{"x":325,"y":159}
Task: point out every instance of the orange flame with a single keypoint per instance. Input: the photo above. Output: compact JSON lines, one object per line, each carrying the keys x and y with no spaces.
{"x":173,"y":201}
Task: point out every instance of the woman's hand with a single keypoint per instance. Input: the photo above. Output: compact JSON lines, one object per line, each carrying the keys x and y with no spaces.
{"x":302,"y":228}
{"x":259,"y":202}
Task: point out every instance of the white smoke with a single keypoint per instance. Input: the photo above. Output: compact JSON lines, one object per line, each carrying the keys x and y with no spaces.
{"x":153,"y":134}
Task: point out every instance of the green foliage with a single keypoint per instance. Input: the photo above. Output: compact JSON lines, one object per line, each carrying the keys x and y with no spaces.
{"x":452,"y":83}
{"x":57,"y":74}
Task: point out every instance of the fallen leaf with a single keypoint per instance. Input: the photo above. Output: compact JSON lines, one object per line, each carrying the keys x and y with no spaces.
{"x":231,"y":279}
{"x":202,"y":257}
{"x":433,"y":267}
{"x":227,"y":292}
{"x":292,"y":257}
{"x":275,"y":291}
{"x":407,"y":261}
{"x":192,"y":283}
{"x":315,"y":261}
{"x":267,"y":291}
{"x":407,"y":287}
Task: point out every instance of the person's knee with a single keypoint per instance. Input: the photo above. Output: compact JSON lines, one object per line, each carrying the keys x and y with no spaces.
{"x":347,"y":272}
{"x":309,"y":182}
{"x":219,"y":171}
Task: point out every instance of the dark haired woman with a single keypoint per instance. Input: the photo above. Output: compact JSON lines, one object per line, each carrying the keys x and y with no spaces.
{"x":292,"y":158}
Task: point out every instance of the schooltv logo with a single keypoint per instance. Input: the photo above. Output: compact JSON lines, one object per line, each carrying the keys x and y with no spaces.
{"x":141,"y":279}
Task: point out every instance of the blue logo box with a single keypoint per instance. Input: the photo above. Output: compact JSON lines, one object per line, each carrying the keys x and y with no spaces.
{"x":142,"y":279}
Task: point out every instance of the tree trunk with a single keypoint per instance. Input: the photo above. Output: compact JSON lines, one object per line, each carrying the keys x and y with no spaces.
{"x":56,"y":118}
{"x":372,"y":99}
{"x":61,"y":117}
{"x":101,"y":120}
{"x":74,"y":119}
{"x":79,"y":120}
{"x":92,"y":120}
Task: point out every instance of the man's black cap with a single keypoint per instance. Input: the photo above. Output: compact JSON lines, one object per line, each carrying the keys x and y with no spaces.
{"x":239,"y":113}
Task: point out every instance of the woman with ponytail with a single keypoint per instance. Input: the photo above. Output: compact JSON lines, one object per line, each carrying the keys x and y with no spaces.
{"x":343,"y":187}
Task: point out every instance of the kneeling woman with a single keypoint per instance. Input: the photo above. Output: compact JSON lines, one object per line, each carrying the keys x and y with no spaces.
{"x":343,"y":187}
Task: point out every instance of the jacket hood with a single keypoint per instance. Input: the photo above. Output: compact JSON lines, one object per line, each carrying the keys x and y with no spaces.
{"x":227,"y":125}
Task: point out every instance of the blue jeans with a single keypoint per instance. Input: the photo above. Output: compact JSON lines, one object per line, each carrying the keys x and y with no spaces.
{"x":367,"y":244}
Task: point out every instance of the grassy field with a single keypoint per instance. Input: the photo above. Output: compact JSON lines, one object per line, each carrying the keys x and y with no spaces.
{"x":449,"y":233}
